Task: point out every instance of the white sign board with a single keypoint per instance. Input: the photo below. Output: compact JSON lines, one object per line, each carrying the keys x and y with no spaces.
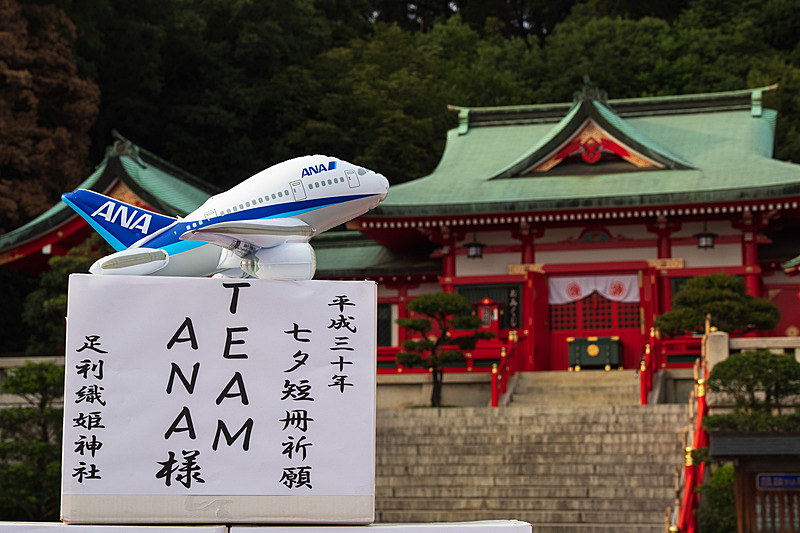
{"x":485,"y":526}
{"x":53,"y":527}
{"x":196,"y":400}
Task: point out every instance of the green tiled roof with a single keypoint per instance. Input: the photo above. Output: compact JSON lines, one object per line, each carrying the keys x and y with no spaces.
{"x":627,"y":128}
{"x":167,"y":188}
{"x":791,"y":264}
{"x":349,"y":253}
{"x":728,"y":148}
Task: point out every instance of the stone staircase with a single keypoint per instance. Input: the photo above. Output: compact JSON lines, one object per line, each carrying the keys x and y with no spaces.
{"x":585,"y":388}
{"x":566,"y":466}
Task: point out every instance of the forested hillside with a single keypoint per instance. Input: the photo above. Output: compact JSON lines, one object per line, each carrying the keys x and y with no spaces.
{"x":225,"y":88}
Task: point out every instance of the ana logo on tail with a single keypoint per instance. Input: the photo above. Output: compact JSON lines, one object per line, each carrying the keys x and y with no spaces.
{"x":112,"y":212}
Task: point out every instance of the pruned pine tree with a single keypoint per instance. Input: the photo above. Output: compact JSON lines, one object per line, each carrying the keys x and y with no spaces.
{"x":440,"y":313}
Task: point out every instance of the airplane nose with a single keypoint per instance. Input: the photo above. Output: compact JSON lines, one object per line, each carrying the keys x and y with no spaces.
{"x":385,"y":184}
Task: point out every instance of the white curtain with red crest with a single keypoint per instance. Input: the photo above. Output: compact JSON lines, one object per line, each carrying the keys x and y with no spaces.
{"x":620,"y":288}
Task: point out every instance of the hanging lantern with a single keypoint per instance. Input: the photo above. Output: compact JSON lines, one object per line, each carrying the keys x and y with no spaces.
{"x":705,"y":240}
{"x":474,"y":248}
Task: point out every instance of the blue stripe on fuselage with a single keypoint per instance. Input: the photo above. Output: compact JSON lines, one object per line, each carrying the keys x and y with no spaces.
{"x":173,"y":245}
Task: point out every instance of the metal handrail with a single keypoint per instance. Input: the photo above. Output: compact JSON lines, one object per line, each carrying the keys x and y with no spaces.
{"x":684,"y":518}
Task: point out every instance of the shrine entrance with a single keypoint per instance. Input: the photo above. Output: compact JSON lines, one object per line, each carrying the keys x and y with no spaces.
{"x":595,"y":315}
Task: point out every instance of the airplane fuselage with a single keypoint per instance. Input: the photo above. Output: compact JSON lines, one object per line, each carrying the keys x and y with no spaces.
{"x":322,"y":192}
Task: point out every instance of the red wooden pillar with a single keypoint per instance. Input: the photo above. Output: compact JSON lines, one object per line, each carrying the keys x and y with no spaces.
{"x":537,"y":321}
{"x":447,"y":251}
{"x":533,"y":335}
{"x":752,"y":279}
{"x":402,"y":311}
{"x":527,"y":235}
{"x":750,"y":226}
{"x":664,"y":229}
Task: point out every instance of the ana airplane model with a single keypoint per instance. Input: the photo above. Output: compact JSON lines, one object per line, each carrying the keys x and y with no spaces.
{"x":259,"y":228}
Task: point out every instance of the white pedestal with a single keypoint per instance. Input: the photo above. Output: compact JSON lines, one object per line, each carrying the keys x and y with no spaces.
{"x":195,"y":400}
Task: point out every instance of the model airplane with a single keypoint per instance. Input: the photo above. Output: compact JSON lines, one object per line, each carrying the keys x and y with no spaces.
{"x":259,"y":228}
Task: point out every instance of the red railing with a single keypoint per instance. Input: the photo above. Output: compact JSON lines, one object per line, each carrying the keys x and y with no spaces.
{"x":479,"y":360}
{"x":684,"y":519}
{"x":502,"y":372}
{"x":679,"y":352}
{"x":498,"y":357}
{"x":651,"y":362}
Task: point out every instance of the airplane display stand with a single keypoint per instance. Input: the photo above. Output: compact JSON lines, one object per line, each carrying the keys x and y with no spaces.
{"x":198,"y":400}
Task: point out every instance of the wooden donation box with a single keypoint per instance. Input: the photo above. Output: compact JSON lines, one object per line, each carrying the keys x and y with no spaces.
{"x":587,"y":352}
{"x":219,"y":401}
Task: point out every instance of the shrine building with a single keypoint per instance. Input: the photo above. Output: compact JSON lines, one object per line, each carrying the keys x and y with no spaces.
{"x":128,"y":173}
{"x":560,"y":221}
{"x":582,"y":219}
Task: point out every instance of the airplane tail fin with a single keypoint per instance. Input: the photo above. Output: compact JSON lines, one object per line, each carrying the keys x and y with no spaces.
{"x":119,"y":223}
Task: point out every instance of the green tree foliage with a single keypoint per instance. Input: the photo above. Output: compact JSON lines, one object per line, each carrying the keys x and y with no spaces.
{"x":440,"y":313}
{"x":30,"y":444}
{"x":717,"y":510}
{"x":374,"y":103}
{"x":226,"y":88}
{"x":758,"y":381}
{"x":45,"y":307}
{"x":382,"y":101}
{"x":46,"y":111}
{"x":196,"y":82}
{"x":760,"y":384}
{"x":723,"y":297}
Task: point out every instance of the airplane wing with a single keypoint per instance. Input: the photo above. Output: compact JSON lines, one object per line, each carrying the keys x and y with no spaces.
{"x":260,"y":233}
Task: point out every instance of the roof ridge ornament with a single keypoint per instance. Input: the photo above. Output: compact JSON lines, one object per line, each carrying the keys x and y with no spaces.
{"x":125,"y":148}
{"x":590,"y":92}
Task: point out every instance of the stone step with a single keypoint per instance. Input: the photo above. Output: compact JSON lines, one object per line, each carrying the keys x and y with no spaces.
{"x":587,"y":469}
{"x":578,"y":492}
{"x":537,"y":452}
{"x":544,"y":480}
{"x":533,"y":430}
{"x":576,"y":400}
{"x":599,"y":528}
{"x":434,"y":441}
{"x":508,"y":411}
{"x":629,"y":505}
{"x":623,"y":521}
{"x":600,"y":390}
{"x":525,"y":469}
{"x":496,"y":459}
{"x":575,"y":416}
{"x":582,"y":377}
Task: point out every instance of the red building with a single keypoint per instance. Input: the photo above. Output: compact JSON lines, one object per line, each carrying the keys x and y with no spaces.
{"x":583,"y":218}
{"x":128,"y":173}
{"x":580,"y":219}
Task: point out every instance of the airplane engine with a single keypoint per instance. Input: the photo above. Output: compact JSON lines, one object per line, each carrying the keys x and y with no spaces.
{"x":291,"y":260}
